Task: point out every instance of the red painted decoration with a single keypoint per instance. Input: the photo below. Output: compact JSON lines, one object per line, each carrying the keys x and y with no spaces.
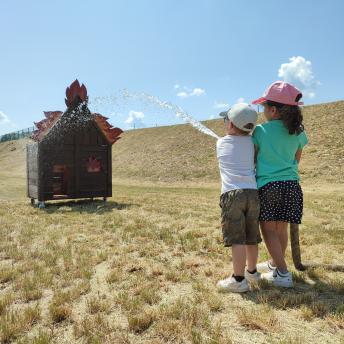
{"x":74,"y":91}
{"x":93,"y":165}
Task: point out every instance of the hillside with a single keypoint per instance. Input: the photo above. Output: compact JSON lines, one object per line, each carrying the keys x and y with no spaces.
{"x":182,"y":154}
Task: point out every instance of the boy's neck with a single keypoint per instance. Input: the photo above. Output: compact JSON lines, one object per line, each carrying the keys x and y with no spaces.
{"x":233,"y":132}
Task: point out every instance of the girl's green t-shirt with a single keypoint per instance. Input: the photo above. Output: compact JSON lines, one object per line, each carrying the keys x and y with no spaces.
{"x":276,"y":152}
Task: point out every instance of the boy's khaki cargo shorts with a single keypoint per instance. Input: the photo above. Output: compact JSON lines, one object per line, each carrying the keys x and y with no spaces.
{"x":240,"y":217}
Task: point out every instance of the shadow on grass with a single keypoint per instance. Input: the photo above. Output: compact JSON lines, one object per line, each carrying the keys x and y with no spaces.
{"x":313,"y":293}
{"x":327,"y":267}
{"x":85,"y":206}
{"x":322,"y":284}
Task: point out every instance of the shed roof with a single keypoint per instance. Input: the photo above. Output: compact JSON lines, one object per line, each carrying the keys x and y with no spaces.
{"x":75,"y":94}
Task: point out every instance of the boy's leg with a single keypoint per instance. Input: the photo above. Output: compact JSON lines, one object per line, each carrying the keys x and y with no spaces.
{"x":251,"y":256}
{"x":237,"y":282}
{"x":233,"y":229}
{"x":252,"y":229}
{"x":239,"y":260}
{"x":273,"y":244}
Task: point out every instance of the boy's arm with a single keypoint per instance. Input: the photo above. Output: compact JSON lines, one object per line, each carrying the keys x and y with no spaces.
{"x":298,"y":155}
{"x":255,"y":154}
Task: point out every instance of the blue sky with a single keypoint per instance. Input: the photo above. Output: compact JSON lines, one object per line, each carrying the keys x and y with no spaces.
{"x":201,"y":55}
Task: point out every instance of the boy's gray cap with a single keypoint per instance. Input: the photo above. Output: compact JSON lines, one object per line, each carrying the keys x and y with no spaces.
{"x":243,"y":116}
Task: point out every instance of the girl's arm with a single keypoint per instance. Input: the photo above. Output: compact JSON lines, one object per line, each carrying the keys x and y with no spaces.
{"x":298,"y":155}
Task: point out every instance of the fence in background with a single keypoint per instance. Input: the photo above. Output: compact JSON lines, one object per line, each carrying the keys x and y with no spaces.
{"x":16,"y":135}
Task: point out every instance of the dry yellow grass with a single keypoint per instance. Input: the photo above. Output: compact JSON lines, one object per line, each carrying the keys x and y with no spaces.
{"x":142,"y":267}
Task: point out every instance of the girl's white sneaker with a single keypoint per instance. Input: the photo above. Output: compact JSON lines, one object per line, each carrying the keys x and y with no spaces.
{"x":265,"y":267}
{"x":278,"y":279}
{"x":231,"y":285}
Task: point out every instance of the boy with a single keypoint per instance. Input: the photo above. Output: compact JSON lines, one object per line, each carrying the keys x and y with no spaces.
{"x":239,"y":199}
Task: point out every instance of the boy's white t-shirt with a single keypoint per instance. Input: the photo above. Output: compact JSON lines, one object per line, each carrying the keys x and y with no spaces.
{"x":236,"y":162}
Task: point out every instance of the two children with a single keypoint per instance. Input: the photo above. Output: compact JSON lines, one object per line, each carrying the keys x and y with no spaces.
{"x":278,"y":146}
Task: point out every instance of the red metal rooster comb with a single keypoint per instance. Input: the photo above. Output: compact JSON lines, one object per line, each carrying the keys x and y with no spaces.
{"x":74,"y":91}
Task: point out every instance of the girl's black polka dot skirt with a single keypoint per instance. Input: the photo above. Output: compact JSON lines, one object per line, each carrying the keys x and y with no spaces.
{"x":281,"y":201}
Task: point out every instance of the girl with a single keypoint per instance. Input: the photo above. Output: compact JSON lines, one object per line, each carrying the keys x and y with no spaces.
{"x":279,"y":143}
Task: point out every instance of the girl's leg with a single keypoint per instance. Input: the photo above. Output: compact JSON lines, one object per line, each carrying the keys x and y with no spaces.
{"x":251,"y":256}
{"x":239,"y":260}
{"x":273,"y":244}
{"x":282,"y":232}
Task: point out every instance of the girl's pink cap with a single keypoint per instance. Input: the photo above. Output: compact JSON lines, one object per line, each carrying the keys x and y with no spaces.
{"x":280,"y":92}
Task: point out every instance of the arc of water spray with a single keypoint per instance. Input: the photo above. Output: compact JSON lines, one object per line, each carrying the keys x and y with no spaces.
{"x":179,"y":112}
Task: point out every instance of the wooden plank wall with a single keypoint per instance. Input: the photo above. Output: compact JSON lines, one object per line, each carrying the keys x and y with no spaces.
{"x":32,"y":170}
{"x":73,"y":149}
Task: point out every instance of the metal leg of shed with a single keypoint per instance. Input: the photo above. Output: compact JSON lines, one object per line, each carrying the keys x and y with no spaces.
{"x":104,"y":199}
{"x":41,"y":205}
{"x":32,"y":201}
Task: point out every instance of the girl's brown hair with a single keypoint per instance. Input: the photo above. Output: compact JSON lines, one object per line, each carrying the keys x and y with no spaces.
{"x":290,"y":115}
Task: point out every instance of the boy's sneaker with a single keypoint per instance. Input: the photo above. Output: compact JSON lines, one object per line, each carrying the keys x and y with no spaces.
{"x":278,"y":279}
{"x":231,"y":285}
{"x":252,"y":278}
{"x":265,"y":267}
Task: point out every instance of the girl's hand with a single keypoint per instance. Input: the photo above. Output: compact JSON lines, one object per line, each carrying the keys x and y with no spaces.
{"x":298,"y":155}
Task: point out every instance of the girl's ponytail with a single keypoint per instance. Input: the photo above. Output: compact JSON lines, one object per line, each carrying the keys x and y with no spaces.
{"x":290,"y":115}
{"x":292,"y":118}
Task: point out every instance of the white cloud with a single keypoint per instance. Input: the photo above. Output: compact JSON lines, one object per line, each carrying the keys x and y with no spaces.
{"x":176,"y":86}
{"x":221,"y":105}
{"x":182,"y":94}
{"x":135,"y":119}
{"x":299,"y":73}
{"x":240,"y":100}
{"x":197,"y":92}
{"x":3,"y":118}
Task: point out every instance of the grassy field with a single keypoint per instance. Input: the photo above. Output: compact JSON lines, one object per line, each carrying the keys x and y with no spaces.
{"x":142,"y":267}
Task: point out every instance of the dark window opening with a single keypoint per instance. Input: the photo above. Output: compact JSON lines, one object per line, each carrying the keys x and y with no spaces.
{"x":60,"y":180}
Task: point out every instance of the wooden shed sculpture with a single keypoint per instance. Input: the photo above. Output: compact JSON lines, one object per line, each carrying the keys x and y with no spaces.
{"x":71,"y":156}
